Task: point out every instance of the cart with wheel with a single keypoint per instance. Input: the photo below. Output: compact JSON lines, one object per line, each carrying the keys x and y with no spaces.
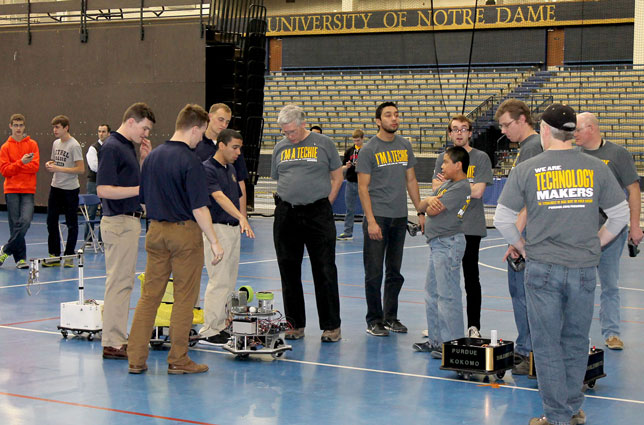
{"x":256,"y":330}
{"x":161,"y":331}
{"x":477,"y":356}
{"x":594,"y":370}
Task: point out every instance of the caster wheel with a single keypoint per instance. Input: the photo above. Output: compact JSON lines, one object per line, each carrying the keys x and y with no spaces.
{"x":467,"y":376}
{"x":500,"y":375}
{"x":193,"y":338}
{"x":276,"y":344}
{"x":243,"y":356}
{"x":90,"y":337}
{"x":78,"y":333}
{"x":156,"y":344}
{"x":591,"y":384}
{"x":64,"y":334}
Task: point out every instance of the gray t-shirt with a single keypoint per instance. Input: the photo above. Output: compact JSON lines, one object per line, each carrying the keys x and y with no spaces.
{"x":302,"y":169}
{"x":530,"y":147}
{"x":563,"y":191}
{"x":456,"y":198}
{"x":620,"y":162}
{"x":65,"y":154}
{"x":387,"y":163}
{"x":479,"y":171}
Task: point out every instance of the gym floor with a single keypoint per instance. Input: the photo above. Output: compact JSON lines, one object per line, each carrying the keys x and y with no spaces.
{"x":362,"y":379}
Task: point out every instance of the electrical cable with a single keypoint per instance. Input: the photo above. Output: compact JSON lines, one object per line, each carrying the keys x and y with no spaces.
{"x":469,"y":62}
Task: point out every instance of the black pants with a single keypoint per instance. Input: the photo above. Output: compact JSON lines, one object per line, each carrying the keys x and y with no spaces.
{"x":62,"y":201}
{"x":472,"y":283}
{"x":388,"y":251}
{"x":312,"y":226}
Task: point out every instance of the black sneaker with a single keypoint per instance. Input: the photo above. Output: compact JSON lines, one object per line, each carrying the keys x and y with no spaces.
{"x":437,"y":352}
{"x":377,"y":329}
{"x":424,"y":347}
{"x":521,"y":365}
{"x":395,"y":326}
{"x":220,"y":339}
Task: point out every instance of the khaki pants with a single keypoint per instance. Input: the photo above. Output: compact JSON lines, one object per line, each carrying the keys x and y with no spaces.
{"x":174,"y":248}
{"x":221,"y":278}
{"x":121,"y":238}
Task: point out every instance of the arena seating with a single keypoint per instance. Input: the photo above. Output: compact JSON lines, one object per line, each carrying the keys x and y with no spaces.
{"x":343,"y":101}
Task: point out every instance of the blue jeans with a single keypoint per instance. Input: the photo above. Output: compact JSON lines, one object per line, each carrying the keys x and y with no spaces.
{"x":443,"y":302}
{"x":390,"y":251}
{"x":560,"y":309}
{"x":608,"y":271}
{"x":523,"y":344}
{"x":91,"y":211}
{"x":350,"y":198}
{"x":20,"y":209}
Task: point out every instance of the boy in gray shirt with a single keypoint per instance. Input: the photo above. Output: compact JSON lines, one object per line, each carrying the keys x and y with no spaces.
{"x":66,"y":164}
{"x":444,"y":233}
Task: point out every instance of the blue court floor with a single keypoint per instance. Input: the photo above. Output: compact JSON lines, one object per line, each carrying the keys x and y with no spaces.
{"x":45,"y":379}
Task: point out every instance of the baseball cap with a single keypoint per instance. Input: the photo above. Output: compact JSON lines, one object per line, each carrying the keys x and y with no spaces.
{"x":561,"y":117}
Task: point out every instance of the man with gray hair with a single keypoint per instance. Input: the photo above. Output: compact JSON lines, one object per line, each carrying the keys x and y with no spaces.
{"x":620,"y":162}
{"x":308,"y":171}
{"x":563,"y":191}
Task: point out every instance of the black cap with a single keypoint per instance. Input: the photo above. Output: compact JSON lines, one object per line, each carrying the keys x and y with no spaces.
{"x":561,"y":117}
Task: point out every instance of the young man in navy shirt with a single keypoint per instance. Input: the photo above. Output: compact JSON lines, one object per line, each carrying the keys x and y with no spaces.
{"x":176,"y":202}
{"x":220,"y":115}
{"x":229,"y":223}
{"x":117,"y":183}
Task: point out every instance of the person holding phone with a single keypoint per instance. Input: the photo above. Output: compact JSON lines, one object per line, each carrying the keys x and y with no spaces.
{"x":19,"y":163}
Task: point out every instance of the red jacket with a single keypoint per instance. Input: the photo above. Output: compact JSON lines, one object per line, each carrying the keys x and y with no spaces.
{"x":19,"y":177}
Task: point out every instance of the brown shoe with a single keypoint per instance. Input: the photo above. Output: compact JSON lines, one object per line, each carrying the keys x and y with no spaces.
{"x":297,"y":333}
{"x":137,"y":369}
{"x":614,"y":343}
{"x":115,"y":353}
{"x":331,"y":335}
{"x":191,"y":367}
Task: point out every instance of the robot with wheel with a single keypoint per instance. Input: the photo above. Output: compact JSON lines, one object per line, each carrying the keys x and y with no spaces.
{"x":481,"y":356}
{"x":256,"y":330}
{"x":77,"y":317}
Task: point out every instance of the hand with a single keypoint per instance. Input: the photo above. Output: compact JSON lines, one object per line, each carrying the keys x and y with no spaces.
{"x":635,"y":234}
{"x":374,"y":231}
{"x":434,"y":205}
{"x":26,"y":158}
{"x":440,"y":177}
{"x":51,"y":166}
{"x":421,"y":223}
{"x":146,"y":148}
{"x":218,"y":253}
{"x":349,"y":164}
{"x":511,"y":252}
{"x":244,"y":227}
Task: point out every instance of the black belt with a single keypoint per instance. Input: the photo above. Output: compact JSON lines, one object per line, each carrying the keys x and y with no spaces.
{"x":279,"y":200}
{"x":137,"y":214}
{"x":228,"y":224}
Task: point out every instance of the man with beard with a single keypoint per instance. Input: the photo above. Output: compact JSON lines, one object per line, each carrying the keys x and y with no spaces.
{"x":385,"y":168}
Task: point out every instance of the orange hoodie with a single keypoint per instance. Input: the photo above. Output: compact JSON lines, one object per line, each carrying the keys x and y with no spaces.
{"x":19,"y":177}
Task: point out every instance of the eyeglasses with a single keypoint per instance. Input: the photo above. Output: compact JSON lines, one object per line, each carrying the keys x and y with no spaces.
{"x":507,"y":124}
{"x":290,"y":132}
{"x":460,"y":130}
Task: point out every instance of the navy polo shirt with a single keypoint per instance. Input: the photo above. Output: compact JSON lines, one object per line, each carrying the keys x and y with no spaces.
{"x":172,"y":183}
{"x":222,"y":178}
{"x":118,"y":166}
{"x":207,"y":148}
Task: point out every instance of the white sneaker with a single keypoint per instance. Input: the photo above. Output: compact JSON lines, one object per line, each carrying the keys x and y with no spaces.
{"x":473,"y":332}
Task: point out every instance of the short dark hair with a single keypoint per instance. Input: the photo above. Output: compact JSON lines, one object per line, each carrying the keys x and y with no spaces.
{"x":459,"y":154}
{"x":316,"y":127}
{"x":515,"y":108}
{"x":228,"y":134}
{"x":106,"y":125}
{"x":60,"y":119}
{"x":383,"y":106}
{"x":17,"y":117}
{"x":139,"y":111}
{"x":190,"y":116}
{"x":461,"y":118}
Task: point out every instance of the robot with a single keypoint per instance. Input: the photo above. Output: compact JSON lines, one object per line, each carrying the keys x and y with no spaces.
{"x":256,"y":330}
